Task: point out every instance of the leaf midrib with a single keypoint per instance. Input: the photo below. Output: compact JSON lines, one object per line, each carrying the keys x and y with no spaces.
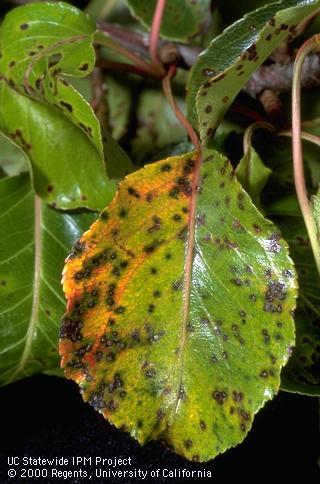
{"x":188,"y":273}
{"x":36,"y":289}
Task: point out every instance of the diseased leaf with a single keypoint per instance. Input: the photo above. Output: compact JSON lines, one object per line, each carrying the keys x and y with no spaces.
{"x":180,"y":301}
{"x":158,"y":126}
{"x":35,"y":240}
{"x":182,"y":19}
{"x":39,"y":43}
{"x":302,"y":374}
{"x":42,"y":44}
{"x":226,"y":65}
{"x":67,"y":169}
{"x":303,"y":370}
{"x":252,"y":174}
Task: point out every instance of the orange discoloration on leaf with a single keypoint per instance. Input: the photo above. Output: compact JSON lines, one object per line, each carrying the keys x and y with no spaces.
{"x":164,"y":294}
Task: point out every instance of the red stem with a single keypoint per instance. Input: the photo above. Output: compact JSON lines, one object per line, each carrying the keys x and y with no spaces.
{"x":166,"y":84}
{"x":155,"y":31}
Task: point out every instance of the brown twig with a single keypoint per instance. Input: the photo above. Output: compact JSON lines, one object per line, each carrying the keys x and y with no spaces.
{"x":103,"y":39}
{"x":140,"y":43}
{"x":108,"y":65}
{"x":134,"y":41}
{"x":279,"y":77}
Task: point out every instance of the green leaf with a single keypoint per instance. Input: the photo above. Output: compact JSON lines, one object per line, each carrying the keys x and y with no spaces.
{"x":253,"y":174}
{"x":12,"y":159}
{"x":302,"y":374}
{"x":158,"y":126}
{"x":118,"y":103}
{"x":315,"y":200}
{"x":42,"y":41}
{"x":179,"y":315}
{"x":67,"y":169}
{"x":119,"y":100}
{"x":182,"y":19}
{"x":35,"y":240}
{"x":226,"y":65}
{"x":42,"y":44}
{"x":100,"y":9}
{"x":46,"y":38}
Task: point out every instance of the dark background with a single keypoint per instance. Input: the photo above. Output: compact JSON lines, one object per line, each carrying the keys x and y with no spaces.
{"x":45,"y":416}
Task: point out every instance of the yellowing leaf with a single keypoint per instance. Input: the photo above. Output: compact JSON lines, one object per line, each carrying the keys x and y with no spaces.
{"x":180,"y":301}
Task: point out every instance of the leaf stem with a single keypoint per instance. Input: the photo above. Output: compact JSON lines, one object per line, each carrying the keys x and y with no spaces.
{"x":312,"y":138}
{"x":247,"y":137}
{"x":166,"y":84}
{"x":154,"y":35}
{"x":310,"y":45}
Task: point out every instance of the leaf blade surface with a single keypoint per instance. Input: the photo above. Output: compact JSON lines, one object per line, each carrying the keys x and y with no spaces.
{"x":231,"y":58}
{"x":34,"y":242}
{"x":180,"y":304}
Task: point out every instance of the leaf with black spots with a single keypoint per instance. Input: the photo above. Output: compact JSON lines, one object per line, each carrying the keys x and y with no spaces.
{"x":42,"y":44}
{"x":35,"y":239}
{"x":66,"y":168}
{"x":231,"y":58}
{"x":179,"y":315}
{"x":302,"y":374}
{"x":182,"y":19}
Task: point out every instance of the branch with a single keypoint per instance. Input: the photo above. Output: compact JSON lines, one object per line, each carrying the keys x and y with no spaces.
{"x":180,"y":54}
{"x":277,"y":77}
